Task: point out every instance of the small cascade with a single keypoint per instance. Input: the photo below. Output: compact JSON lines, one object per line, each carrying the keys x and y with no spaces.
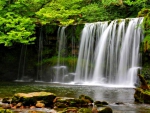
{"x":22,"y":77}
{"x":60,"y":70}
{"x":109,"y":52}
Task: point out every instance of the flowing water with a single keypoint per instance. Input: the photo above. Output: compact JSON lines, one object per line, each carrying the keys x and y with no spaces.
{"x":112,"y":95}
{"x":60,"y":70}
{"x":109,"y":52}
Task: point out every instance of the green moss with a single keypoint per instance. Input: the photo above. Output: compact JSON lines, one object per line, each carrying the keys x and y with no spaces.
{"x":85,"y":110}
{"x":142,"y":96}
{"x":6,"y":111}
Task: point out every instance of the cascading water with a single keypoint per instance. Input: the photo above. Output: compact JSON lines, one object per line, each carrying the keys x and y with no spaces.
{"x":109,"y":53}
{"x":60,"y":70}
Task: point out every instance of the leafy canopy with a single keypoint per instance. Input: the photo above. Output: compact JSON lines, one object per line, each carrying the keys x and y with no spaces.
{"x":18,"y":18}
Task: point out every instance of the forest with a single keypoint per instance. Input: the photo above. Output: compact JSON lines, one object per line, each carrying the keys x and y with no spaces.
{"x":20,"y":18}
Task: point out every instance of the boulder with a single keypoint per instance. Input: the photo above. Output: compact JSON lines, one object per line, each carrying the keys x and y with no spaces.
{"x":85,"y":110}
{"x":39,"y":104}
{"x":142,"y":96}
{"x":63,"y":102}
{"x":100,"y":104}
{"x":29,"y":99}
{"x":86,"y":98}
{"x":104,"y":110}
{"x":6,"y":100}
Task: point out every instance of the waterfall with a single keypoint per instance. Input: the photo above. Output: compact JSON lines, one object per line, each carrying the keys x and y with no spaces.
{"x":60,"y":70}
{"x":109,"y":52}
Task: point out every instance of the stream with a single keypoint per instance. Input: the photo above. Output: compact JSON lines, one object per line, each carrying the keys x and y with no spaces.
{"x":113,"y":95}
{"x":121,"y":100}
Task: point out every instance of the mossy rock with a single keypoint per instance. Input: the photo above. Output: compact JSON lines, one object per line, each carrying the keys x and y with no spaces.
{"x":100,"y":104}
{"x":85,"y":110}
{"x":69,"y":110}
{"x":63,"y":102}
{"x":6,"y":111}
{"x":86,"y":98}
{"x":142,"y":96}
{"x":28,"y":99}
{"x":104,"y":110}
{"x":6,"y":100}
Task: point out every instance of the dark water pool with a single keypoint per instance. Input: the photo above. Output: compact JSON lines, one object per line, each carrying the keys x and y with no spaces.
{"x":112,"y":95}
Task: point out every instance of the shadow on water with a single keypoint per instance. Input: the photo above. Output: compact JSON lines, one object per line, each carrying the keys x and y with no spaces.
{"x":113,"y":95}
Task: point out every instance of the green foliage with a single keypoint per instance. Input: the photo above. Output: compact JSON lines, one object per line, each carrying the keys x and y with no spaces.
{"x":69,"y":61}
{"x":62,"y":12}
{"x":110,"y":2}
{"x":146,"y":24}
{"x":136,"y":3}
{"x":15,"y":26}
{"x":18,"y":18}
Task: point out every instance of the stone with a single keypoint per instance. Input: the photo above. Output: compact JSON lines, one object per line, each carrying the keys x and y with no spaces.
{"x":40,"y":104}
{"x":30,"y":99}
{"x":100,"y":104}
{"x":119,"y":103}
{"x":86,"y":98}
{"x":19,"y":105}
{"x":6,"y":100}
{"x":6,"y":106}
{"x":63,"y":102}
{"x":85,"y":110}
{"x":105,"y":110}
{"x":142,"y":96}
{"x":32,"y":107}
{"x":69,"y":110}
{"x":94,"y":109}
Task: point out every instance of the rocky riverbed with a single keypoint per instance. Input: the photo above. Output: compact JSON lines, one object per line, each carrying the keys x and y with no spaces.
{"x":49,"y":103}
{"x":119,"y":99}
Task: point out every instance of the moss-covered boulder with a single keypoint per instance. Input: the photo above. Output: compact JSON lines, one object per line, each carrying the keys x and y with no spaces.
{"x":28,"y":99}
{"x":104,"y":110}
{"x":85,"y":110}
{"x":86,"y":98}
{"x":100,"y":104}
{"x":6,"y":111}
{"x":63,"y":102}
{"x":142,"y":96}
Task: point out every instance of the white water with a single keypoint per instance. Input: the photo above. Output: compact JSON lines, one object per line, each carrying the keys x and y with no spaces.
{"x":60,"y":70}
{"x":109,"y":54}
